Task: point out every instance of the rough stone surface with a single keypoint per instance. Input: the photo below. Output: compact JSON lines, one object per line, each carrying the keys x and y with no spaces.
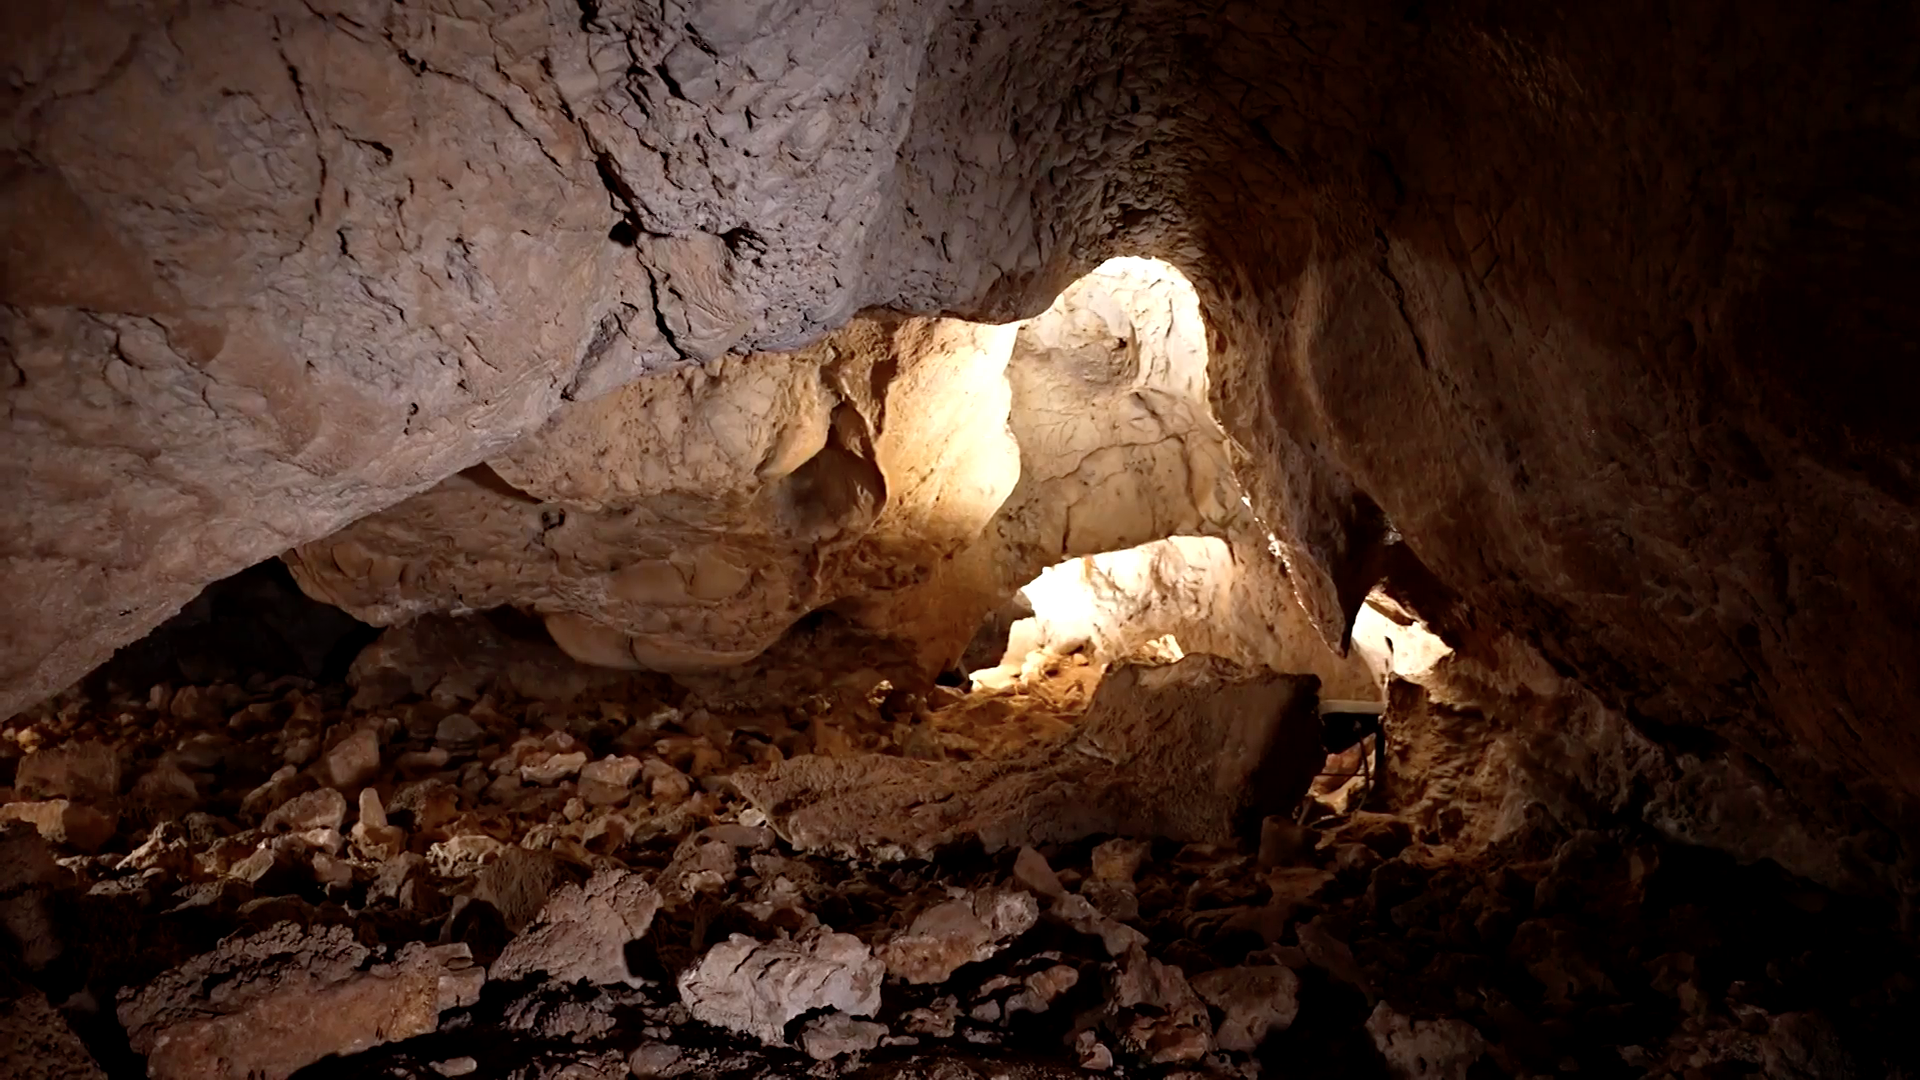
{"x":35,"y":1042}
{"x":1253,"y":1000}
{"x":1616,"y":345}
{"x":1424,"y":1049}
{"x":958,"y":932}
{"x":836,"y":1034}
{"x":758,"y":987}
{"x":63,"y":821}
{"x":912,"y":474}
{"x":1189,"y":751}
{"x":583,"y":931}
{"x":263,"y":1006}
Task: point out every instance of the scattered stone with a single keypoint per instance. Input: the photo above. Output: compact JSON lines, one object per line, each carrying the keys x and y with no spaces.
{"x":1119,"y":860}
{"x":1079,"y":913}
{"x":261,"y":1007}
{"x":354,"y":760}
{"x":1042,"y":988}
{"x":321,"y":808}
{"x":609,"y":781}
{"x":666,"y":785}
{"x":836,"y":1034}
{"x":165,"y":791}
{"x":656,"y":1060}
{"x":463,"y":856}
{"x":553,"y":769}
{"x":1254,"y":1001}
{"x":1424,"y":1049}
{"x":458,"y":732}
{"x":1031,"y":870}
{"x":947,"y":936}
{"x":83,"y":771}
{"x":166,"y":849}
{"x":63,"y":822}
{"x":758,"y":987}
{"x":519,"y":882}
{"x":372,"y":836}
{"x":431,"y":803}
{"x":1184,"y":751}
{"x":583,"y":931}
{"x":284,"y":784}
{"x":1158,"y":1014}
{"x":460,"y":1066}
{"x":1093,"y":1054}
{"x":936,"y":1020}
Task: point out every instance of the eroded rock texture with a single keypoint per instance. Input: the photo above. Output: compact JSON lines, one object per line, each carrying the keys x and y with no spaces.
{"x":911,"y":475}
{"x":1198,"y":751}
{"x":1599,"y":310}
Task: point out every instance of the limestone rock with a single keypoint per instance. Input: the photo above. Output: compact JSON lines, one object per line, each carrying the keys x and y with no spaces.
{"x":82,"y":771}
{"x":958,"y":932}
{"x":1255,"y":1001}
{"x":62,"y":821}
{"x":582,"y":932}
{"x":324,"y":808}
{"x":1423,"y":1049}
{"x":328,"y":306}
{"x":1192,"y":751}
{"x":354,"y":760}
{"x":758,"y":987}
{"x":1157,"y":1011}
{"x":836,"y":1034}
{"x":262,"y":1007}
{"x":609,"y":780}
{"x":519,"y":883}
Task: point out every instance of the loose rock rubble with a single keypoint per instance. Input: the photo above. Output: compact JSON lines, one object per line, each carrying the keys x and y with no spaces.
{"x":529,"y":887}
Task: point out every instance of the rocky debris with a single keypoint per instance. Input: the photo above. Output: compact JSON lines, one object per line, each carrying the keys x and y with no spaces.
{"x":518,"y":883}
{"x":62,"y":821}
{"x":609,"y":781}
{"x":85,"y":771}
{"x":1157,"y":1014}
{"x":354,"y":760}
{"x":1093,"y":1054}
{"x":324,"y":808}
{"x":374,"y":837}
{"x":260,"y":1007}
{"x":1423,"y":1049}
{"x":758,"y":987}
{"x":836,"y":1034}
{"x":35,"y":1041}
{"x":1253,"y":1001}
{"x":1030,"y":869}
{"x":958,"y":932}
{"x":1559,"y":945}
{"x":583,"y":931}
{"x":1194,"y":750}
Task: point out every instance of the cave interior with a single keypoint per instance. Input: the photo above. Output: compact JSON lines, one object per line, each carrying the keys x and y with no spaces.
{"x":984,"y":539}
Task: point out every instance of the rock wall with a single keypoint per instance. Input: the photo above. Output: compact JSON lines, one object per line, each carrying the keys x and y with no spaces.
{"x":1601,"y":311}
{"x":909,"y":474}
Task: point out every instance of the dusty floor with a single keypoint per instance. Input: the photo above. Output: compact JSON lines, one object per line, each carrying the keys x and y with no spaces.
{"x":476,"y":858}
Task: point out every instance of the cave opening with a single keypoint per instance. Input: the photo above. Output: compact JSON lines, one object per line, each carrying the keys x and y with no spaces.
{"x":932,"y":693}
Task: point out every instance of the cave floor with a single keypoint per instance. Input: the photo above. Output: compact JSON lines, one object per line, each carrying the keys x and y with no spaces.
{"x":473,"y":873}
